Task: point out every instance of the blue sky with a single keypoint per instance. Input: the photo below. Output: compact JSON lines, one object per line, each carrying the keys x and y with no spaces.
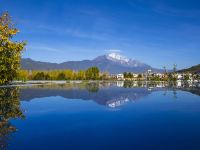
{"x":157,"y":32}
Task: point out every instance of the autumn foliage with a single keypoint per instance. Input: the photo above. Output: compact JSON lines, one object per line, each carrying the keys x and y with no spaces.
{"x":10,"y":51}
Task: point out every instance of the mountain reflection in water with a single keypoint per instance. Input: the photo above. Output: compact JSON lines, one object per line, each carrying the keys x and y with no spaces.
{"x":110,"y":94}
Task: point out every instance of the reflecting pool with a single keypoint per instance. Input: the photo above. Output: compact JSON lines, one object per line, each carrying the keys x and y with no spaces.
{"x":100,"y":116}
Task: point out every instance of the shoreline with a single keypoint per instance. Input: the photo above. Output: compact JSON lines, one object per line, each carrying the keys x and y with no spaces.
{"x":46,"y":82}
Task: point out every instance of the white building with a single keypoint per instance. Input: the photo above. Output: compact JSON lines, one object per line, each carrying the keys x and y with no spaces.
{"x":149,"y":71}
{"x":180,"y":76}
{"x":135,"y":75}
{"x":159,"y":75}
{"x":120,"y":76}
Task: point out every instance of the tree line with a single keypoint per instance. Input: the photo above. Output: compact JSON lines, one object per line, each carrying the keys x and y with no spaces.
{"x":166,"y":76}
{"x":10,"y":57}
{"x":91,"y":73}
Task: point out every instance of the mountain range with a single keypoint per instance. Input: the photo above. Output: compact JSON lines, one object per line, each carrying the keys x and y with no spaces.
{"x":112,"y":63}
{"x":193,"y":69}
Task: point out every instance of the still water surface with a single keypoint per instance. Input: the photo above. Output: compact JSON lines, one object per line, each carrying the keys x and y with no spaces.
{"x":100,"y":116}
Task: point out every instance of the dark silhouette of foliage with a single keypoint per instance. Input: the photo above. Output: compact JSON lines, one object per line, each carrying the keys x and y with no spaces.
{"x":128,"y":75}
{"x":61,"y":76}
{"x":9,"y":108}
{"x":41,"y":76}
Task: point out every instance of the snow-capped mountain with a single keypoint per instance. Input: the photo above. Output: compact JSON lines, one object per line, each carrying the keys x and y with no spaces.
{"x":120,"y":59}
{"x":112,"y":63}
{"x":117,"y":57}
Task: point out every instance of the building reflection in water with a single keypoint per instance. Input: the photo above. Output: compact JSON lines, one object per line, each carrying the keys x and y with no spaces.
{"x":9,"y":109}
{"x":111,"y":94}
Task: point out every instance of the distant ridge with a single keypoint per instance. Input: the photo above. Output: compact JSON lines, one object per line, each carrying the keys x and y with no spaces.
{"x":112,"y":63}
{"x":193,"y":69}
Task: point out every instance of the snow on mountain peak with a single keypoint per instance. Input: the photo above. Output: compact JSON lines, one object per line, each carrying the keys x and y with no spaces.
{"x":117,"y":57}
{"x":120,"y":59}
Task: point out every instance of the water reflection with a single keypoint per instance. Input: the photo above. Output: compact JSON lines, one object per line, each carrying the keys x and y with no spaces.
{"x":63,"y":127}
{"x":92,"y":87}
{"x":111,"y":94}
{"x":9,"y":109}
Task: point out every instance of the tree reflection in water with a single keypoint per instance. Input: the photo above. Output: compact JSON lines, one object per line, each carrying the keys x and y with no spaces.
{"x":9,"y":109}
{"x":92,"y":87}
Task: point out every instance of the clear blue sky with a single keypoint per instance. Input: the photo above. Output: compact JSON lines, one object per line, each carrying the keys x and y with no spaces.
{"x":157,"y":32}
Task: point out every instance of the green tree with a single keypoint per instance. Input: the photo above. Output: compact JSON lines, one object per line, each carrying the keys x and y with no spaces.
{"x":174,"y":68}
{"x":23,"y":75}
{"x":39,"y":76}
{"x":171,"y":77}
{"x":47,"y":76}
{"x":92,"y":73}
{"x":165,"y":70}
{"x":69,"y":74}
{"x":80,"y":75}
{"x":61,"y":76}
{"x":130,"y":75}
{"x":139,"y":76}
{"x":125,"y":74}
{"x":197,"y":77}
{"x":186,"y":77}
{"x":10,"y":51}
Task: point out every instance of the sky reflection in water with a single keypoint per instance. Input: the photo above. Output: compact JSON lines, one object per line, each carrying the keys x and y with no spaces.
{"x":100,"y":116}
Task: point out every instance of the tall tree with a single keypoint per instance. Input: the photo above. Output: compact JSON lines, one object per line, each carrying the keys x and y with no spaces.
{"x":92,"y":73}
{"x":10,"y":51}
{"x":125,"y":74}
{"x":165,"y":70}
{"x":61,"y":76}
{"x":81,"y":75}
{"x":174,"y":68}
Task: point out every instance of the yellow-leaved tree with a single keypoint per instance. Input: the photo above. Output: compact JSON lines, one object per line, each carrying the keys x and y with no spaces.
{"x":10,"y":51}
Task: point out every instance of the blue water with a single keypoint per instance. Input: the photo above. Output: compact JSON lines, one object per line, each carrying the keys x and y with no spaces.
{"x":78,"y":119}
